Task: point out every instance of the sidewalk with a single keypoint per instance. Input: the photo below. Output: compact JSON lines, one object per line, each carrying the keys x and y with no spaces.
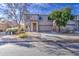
{"x":55,"y":36}
{"x":60,"y":37}
{"x":35,"y":36}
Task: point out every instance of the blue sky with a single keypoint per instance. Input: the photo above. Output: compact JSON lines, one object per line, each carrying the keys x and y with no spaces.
{"x":46,"y":8}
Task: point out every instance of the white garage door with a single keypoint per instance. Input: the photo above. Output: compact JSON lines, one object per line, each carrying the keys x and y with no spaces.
{"x":45,"y":28}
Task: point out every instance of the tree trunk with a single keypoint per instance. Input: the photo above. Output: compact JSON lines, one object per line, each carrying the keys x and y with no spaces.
{"x":54,"y":26}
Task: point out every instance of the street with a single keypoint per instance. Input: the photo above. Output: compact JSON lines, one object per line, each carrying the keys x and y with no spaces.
{"x":37,"y":46}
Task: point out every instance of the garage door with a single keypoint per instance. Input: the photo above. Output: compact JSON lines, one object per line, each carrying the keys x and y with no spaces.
{"x":45,"y":28}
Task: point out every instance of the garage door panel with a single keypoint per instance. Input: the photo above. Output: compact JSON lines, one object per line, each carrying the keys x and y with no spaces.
{"x":45,"y":28}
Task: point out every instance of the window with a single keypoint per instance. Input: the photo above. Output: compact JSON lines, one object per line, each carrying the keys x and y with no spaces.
{"x":40,"y":18}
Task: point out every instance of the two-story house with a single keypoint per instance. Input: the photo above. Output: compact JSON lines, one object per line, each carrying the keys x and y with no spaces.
{"x":40,"y":23}
{"x":37,"y":23}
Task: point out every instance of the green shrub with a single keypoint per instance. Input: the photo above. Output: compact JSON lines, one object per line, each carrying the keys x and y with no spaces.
{"x":13,"y":30}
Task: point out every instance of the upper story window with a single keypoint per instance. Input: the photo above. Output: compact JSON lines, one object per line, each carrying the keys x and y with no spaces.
{"x":39,"y":17}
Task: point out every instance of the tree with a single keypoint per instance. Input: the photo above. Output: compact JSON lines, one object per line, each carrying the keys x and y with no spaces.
{"x":15,"y":11}
{"x":61,"y":17}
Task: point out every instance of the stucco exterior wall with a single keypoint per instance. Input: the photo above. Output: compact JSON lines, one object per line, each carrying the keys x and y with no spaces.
{"x":46,"y":25}
{"x":71,"y":25}
{"x":43,"y":25}
{"x":3,"y":27}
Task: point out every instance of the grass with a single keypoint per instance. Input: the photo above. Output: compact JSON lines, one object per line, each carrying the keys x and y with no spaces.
{"x":22,"y":35}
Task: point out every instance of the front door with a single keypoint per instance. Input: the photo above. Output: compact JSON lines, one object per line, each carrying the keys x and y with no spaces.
{"x":34,"y":27}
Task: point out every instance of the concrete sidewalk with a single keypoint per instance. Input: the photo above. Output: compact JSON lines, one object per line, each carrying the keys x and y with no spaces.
{"x":55,"y":36}
{"x":48,"y":36}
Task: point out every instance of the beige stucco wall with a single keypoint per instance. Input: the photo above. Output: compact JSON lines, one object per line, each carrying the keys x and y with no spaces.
{"x":45,"y":25}
{"x":3,"y":27}
{"x":6,"y":24}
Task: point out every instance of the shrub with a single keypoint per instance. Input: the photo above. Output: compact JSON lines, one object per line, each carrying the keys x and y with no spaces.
{"x":13,"y":30}
{"x":22,"y":35}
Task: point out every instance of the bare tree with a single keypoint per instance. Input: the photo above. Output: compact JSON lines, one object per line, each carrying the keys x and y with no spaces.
{"x":15,"y":11}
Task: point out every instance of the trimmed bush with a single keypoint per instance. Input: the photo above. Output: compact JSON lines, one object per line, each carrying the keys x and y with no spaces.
{"x":13,"y":30}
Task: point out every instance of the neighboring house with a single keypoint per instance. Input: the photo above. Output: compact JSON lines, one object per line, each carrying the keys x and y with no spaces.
{"x":4,"y":24}
{"x":10,"y":23}
{"x":40,"y":23}
{"x":73,"y":24}
{"x":3,"y":27}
